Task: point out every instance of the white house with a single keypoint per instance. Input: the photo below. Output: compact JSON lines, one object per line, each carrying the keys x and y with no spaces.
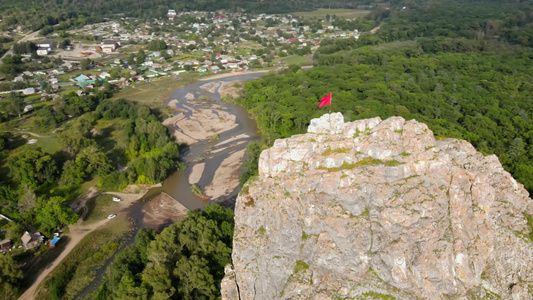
{"x":47,"y":44}
{"x":28,"y":108}
{"x":109,"y":46}
{"x":42,"y":51}
{"x":104,"y":75}
{"x":28,"y":91}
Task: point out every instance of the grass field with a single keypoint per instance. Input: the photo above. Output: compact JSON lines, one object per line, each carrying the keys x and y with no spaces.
{"x":99,"y":208}
{"x":343,"y":13}
{"x":153,"y":94}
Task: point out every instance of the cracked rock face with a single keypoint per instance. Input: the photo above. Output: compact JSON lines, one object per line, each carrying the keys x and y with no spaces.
{"x":373,"y":208}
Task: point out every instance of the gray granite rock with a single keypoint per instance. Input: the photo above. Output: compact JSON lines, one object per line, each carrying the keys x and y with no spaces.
{"x":373,"y":208}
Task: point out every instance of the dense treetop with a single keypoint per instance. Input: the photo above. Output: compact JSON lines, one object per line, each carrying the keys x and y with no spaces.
{"x":185,"y":261}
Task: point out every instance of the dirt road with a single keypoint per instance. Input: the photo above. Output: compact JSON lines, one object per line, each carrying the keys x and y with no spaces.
{"x":28,"y":37}
{"x":77,"y":232}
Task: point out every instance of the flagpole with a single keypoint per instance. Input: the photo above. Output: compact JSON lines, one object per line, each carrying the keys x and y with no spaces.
{"x":330,"y":104}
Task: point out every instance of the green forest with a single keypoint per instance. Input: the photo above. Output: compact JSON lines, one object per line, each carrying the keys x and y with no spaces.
{"x":475,"y":84}
{"x":185,"y":261}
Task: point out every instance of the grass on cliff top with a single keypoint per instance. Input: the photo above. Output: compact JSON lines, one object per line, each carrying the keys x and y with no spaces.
{"x":529,"y":219}
{"x":365,"y":161}
{"x":372,"y":295}
{"x":339,"y":150}
{"x":300,"y":266}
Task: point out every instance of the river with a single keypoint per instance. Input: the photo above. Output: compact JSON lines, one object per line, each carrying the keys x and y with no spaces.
{"x":213,"y":154}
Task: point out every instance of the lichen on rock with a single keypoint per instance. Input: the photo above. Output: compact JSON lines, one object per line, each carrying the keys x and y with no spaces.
{"x":378,"y":207}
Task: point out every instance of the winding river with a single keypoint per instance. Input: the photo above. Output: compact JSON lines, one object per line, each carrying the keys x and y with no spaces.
{"x":212,"y":153}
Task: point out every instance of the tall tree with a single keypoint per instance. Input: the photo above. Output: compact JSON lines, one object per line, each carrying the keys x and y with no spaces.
{"x":33,"y":167}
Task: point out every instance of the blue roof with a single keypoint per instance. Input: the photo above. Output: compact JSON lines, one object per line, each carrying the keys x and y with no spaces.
{"x":81,"y":78}
{"x":54,"y":241}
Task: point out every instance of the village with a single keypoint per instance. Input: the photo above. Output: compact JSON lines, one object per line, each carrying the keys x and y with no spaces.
{"x":126,"y":52}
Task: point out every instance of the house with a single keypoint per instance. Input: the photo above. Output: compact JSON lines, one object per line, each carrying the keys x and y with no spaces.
{"x":81,"y":78}
{"x":58,"y":71}
{"x":42,"y":51}
{"x":30,"y":241}
{"x":109,"y":46}
{"x":5,"y":246}
{"x":28,"y":108}
{"x":47,"y":44}
{"x":104,"y":75}
{"x":28,"y":91}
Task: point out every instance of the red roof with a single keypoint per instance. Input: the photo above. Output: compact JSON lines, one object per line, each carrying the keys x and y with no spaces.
{"x":292,"y":40}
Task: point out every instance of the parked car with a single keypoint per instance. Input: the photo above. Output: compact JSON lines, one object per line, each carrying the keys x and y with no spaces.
{"x":111,"y":216}
{"x":116,"y":199}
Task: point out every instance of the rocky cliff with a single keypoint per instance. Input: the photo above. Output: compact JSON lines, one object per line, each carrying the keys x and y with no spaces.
{"x":372,"y":209}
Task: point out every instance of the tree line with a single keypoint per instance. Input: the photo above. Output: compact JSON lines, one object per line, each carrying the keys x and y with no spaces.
{"x":185,"y":261}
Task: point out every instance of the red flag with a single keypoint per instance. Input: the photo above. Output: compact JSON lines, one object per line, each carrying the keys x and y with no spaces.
{"x":325,"y":101}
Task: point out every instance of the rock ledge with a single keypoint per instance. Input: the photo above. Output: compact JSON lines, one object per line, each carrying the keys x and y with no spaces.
{"x":373,"y":208}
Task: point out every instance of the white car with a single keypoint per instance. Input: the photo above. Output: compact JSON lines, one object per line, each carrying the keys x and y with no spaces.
{"x":111,"y":216}
{"x":116,"y":199}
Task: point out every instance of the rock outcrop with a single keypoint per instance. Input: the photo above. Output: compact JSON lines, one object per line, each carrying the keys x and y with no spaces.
{"x":379,"y":208}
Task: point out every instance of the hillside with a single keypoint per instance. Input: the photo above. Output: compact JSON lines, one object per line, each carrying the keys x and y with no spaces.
{"x":380,"y":209}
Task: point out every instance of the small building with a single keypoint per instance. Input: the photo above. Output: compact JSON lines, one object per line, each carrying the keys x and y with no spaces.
{"x":28,"y":108}
{"x":47,"y":44}
{"x":104,"y":75}
{"x":109,"y":46}
{"x":5,"y":246}
{"x":53,"y":243}
{"x":42,"y":51}
{"x":81,"y":78}
{"x":28,"y":91}
{"x":30,"y":241}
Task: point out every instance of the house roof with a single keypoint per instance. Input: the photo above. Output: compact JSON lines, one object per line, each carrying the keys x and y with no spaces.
{"x":6,"y":241}
{"x":46,"y":42}
{"x":81,"y":78}
{"x":26,"y":237}
{"x":109,"y":43}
